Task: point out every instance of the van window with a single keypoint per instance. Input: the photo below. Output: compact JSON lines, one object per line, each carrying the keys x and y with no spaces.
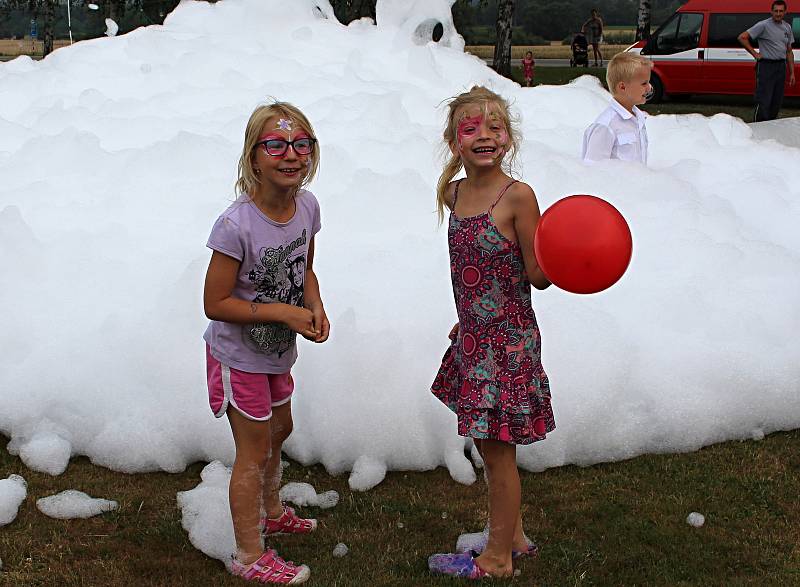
{"x":680,"y":33}
{"x":723,"y":29}
{"x":795,"y":22}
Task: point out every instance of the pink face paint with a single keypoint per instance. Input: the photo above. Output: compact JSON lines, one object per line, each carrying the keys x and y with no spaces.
{"x":468,"y":127}
{"x":270,"y":136}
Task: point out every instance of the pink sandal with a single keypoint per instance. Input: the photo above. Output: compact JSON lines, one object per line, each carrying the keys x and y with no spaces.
{"x":270,"y":568}
{"x":288,"y":523}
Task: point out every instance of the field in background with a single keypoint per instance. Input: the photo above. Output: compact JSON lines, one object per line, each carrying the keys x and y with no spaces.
{"x":708,"y":105}
{"x":14,"y":47}
{"x":541,"y":51}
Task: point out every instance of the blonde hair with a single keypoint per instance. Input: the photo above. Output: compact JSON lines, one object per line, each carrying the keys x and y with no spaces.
{"x":248,"y":180}
{"x":484,"y":97}
{"x":623,"y":67}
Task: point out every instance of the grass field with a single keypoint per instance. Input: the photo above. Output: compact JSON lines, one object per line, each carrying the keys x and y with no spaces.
{"x":740,"y":106}
{"x":611,"y":524}
{"x":14,"y":48}
{"x":541,"y":51}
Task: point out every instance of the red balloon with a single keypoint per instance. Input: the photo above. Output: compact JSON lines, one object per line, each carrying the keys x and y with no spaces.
{"x":583,"y":244}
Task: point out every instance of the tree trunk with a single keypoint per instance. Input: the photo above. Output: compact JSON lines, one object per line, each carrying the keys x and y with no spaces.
{"x":49,"y":18}
{"x":349,"y":10}
{"x":643,"y":22}
{"x":502,"y":46}
{"x":116,"y":10}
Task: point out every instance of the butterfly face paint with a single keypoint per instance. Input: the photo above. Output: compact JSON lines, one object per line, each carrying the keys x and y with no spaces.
{"x":480,"y":128}
{"x":468,"y":127}
{"x":284,"y":124}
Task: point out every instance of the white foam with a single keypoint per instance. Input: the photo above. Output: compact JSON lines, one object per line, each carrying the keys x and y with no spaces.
{"x":72,"y":503}
{"x":304,"y":494}
{"x":118,"y":153}
{"x":13,"y":490}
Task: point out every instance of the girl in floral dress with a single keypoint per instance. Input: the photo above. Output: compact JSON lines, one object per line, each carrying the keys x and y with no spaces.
{"x":527,"y":68}
{"x":491,"y":375}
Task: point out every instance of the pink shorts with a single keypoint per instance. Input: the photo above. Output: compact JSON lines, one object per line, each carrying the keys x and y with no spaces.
{"x":252,"y":394}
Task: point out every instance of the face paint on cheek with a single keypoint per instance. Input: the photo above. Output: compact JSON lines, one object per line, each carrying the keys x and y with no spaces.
{"x":468,"y":128}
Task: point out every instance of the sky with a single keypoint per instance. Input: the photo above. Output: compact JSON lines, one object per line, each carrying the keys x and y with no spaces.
{"x":117,"y":154}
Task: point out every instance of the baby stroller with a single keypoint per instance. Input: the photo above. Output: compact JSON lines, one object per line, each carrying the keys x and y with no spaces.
{"x":580,"y":51}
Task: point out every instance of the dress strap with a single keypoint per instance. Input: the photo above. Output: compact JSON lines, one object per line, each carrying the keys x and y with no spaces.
{"x":455,"y":193}
{"x":502,"y":193}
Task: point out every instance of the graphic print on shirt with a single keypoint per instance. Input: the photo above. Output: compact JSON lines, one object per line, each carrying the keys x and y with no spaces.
{"x":278,"y":277}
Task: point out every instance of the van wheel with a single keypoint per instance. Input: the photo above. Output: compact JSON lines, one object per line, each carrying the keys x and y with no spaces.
{"x":658,"y":90}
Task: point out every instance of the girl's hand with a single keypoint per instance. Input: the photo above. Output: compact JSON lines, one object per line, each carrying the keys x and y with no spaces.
{"x":301,"y":321}
{"x":453,"y":332}
{"x":321,"y":324}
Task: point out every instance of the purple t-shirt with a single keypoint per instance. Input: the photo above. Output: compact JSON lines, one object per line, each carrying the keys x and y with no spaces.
{"x":273,"y":267}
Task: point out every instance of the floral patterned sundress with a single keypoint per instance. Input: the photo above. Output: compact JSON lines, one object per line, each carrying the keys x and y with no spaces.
{"x":491,"y":375}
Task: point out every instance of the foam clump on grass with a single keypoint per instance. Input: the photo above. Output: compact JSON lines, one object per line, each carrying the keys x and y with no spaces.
{"x":340,"y":550}
{"x":72,"y":504}
{"x":206,"y":515}
{"x":472,"y":541}
{"x":45,"y":450}
{"x":13,"y":491}
{"x":304,"y":494}
{"x":696,"y":519}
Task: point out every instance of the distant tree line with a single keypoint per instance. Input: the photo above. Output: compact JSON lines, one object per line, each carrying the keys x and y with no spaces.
{"x":51,"y":17}
{"x":555,"y":19}
{"x":532,"y":20}
{"x":494,"y":22}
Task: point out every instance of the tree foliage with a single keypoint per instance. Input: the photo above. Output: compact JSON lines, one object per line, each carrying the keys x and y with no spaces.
{"x":349,"y":10}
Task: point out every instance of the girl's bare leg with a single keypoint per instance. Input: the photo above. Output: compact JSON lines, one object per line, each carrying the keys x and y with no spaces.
{"x":281,"y":429}
{"x":520,"y":541}
{"x":500,"y":460}
{"x":252,"y":439}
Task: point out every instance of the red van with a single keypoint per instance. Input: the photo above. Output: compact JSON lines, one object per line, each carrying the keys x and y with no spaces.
{"x":696,"y":51}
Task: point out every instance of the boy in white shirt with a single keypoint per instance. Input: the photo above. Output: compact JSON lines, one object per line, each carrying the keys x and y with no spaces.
{"x":619,"y":132}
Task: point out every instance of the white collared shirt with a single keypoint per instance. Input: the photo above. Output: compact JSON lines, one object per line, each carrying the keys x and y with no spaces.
{"x":616,"y":134}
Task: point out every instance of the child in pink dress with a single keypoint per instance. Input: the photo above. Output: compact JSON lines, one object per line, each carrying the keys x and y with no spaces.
{"x":492,"y":375}
{"x":527,"y":68}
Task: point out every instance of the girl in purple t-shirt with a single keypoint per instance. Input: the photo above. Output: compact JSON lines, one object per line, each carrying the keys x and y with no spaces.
{"x":260,"y":292}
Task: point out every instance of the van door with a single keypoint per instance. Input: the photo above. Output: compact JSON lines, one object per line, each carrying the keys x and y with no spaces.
{"x":729,"y":68}
{"x":676,"y":53}
{"x":794,"y":22}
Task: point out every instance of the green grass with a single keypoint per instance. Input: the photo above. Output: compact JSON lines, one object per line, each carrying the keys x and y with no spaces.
{"x":611,"y":524}
{"x":708,"y":105}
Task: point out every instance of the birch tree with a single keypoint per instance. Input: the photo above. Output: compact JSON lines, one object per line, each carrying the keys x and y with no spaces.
{"x":502,"y":46}
{"x":48,"y":12}
{"x":643,"y":22}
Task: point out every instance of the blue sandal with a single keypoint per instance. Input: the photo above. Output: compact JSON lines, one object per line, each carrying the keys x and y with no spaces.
{"x":461,"y":565}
